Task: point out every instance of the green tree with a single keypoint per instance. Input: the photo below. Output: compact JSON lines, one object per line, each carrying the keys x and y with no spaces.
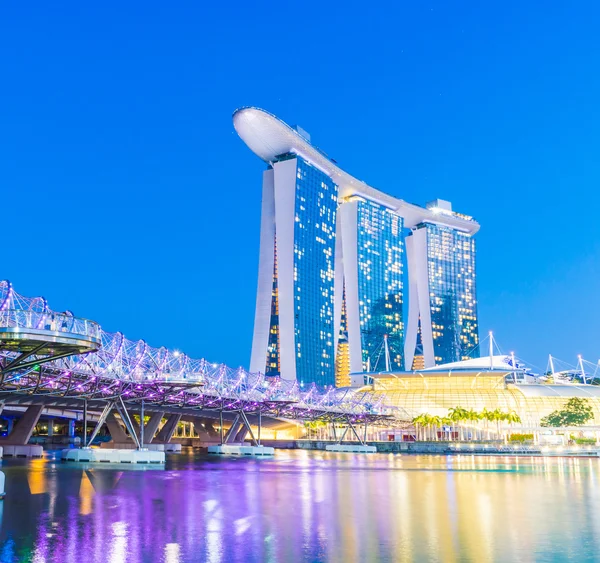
{"x":447,"y":421}
{"x":496,"y":416}
{"x":436,"y":422}
{"x":513,"y":418}
{"x":575,"y":412}
{"x":458,"y":415}
{"x":486,"y":415}
{"x":473,"y":417}
{"x":421,"y":422}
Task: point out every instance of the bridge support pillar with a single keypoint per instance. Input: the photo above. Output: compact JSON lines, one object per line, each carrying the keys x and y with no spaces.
{"x":24,"y":427}
{"x":241,"y":435}
{"x":233,"y":431}
{"x":205,"y":429}
{"x":117,"y":432}
{"x":239,"y":429}
{"x":166,"y":432}
{"x":151,"y":427}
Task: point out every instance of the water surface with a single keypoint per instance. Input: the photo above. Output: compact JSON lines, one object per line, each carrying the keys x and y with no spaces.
{"x":303,"y":506}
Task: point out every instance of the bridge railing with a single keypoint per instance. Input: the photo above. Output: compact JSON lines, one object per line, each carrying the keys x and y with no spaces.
{"x":51,"y":321}
{"x":121,"y":359}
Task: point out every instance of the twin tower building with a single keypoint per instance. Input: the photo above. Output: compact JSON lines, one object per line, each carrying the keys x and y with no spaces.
{"x":352,"y":280}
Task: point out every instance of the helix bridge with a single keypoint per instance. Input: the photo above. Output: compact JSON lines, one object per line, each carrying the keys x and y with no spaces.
{"x":45,"y":353}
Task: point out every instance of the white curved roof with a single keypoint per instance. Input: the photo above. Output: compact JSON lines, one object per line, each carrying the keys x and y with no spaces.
{"x":543,"y":390}
{"x":269,"y":137}
{"x":483,"y":363}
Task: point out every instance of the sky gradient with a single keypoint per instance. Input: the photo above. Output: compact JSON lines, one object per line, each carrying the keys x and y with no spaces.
{"x":128,"y":198}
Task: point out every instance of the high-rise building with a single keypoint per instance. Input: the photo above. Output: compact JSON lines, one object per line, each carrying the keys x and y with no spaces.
{"x":442,"y":291}
{"x":332,"y":274}
{"x":372,"y":263}
{"x":294,"y":321}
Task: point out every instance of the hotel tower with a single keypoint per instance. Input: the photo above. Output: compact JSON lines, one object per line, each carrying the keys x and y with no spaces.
{"x":351,"y":279}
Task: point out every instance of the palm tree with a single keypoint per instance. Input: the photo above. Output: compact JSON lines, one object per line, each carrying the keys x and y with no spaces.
{"x":447,"y":421}
{"x":436,"y":422}
{"x":512,"y":418}
{"x":417,"y":422}
{"x":457,"y":415}
{"x":488,"y":416}
{"x":480,"y":417}
{"x":472,"y":415}
{"x":422,"y":421}
{"x":498,"y":416}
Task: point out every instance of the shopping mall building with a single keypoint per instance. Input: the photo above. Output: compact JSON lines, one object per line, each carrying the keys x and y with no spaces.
{"x":481,"y":383}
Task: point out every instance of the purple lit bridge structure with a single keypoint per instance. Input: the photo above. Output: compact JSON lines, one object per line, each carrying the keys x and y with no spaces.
{"x":57,"y":359}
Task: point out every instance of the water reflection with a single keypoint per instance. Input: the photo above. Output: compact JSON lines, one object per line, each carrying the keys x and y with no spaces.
{"x":303,"y":506}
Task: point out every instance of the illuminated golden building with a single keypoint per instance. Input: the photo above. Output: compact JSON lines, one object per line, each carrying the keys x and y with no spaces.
{"x":342,"y":364}
{"x":342,"y":357}
{"x":418,"y":362}
{"x":473,"y":385}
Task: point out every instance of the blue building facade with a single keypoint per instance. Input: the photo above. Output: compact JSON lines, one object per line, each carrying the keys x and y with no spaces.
{"x":314,"y":256}
{"x":380,"y":249}
{"x":452,"y":293}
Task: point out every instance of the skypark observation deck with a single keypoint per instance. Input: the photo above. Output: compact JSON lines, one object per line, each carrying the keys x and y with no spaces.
{"x":269,"y":137}
{"x":61,"y":360}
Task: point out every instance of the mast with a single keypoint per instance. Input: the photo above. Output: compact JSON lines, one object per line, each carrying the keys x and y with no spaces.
{"x":387,"y":353}
{"x":551,"y":360}
{"x":491,"y":350}
{"x":514,"y":365}
{"x":581,"y":368}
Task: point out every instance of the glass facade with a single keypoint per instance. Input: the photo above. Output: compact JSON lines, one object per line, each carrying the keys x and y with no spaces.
{"x":380,"y":284}
{"x":452,"y":298}
{"x":273,"y":366}
{"x":438,"y":392}
{"x":314,"y":249}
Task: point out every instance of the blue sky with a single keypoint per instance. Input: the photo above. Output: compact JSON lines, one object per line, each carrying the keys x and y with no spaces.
{"x":128,"y":198}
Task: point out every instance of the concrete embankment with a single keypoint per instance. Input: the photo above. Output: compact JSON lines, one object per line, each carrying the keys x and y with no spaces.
{"x":382,"y":447}
{"x":451,"y":448}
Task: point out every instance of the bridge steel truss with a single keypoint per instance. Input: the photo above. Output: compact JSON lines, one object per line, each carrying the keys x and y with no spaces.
{"x":48,"y":354}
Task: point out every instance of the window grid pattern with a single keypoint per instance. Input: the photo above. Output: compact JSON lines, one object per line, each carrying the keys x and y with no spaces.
{"x":380,"y":284}
{"x":314,"y":248}
{"x":452,"y":297}
{"x":273,"y":360}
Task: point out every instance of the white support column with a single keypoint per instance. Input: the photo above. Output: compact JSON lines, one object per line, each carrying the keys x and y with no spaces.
{"x":412,"y":323}
{"x":285,"y":206}
{"x":348,"y":216}
{"x":418,"y":269}
{"x":338,"y":283}
{"x":262,"y":316}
